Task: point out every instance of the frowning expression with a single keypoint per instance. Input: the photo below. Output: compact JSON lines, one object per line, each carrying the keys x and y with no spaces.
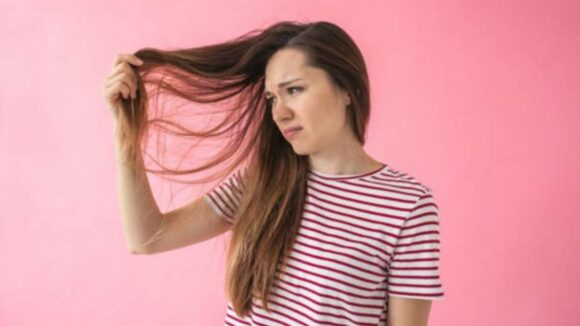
{"x":302,"y":96}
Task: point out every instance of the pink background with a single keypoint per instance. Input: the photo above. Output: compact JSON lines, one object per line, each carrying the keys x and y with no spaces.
{"x":477,"y":99}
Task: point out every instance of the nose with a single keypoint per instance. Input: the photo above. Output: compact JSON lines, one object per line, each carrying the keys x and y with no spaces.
{"x":281,"y":111}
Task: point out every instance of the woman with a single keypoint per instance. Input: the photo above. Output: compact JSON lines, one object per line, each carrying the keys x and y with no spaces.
{"x":322,"y":233}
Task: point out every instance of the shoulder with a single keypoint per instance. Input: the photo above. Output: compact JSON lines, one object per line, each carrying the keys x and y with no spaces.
{"x":404,"y":181}
{"x":422,"y":204}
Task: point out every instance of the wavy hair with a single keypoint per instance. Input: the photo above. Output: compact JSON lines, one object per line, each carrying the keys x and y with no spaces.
{"x":233,"y":73}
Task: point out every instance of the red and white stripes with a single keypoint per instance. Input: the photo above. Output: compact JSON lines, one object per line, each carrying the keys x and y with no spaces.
{"x":362,"y":239}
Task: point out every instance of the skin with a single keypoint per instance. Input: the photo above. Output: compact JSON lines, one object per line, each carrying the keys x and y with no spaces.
{"x":408,"y":312}
{"x":319,"y":107}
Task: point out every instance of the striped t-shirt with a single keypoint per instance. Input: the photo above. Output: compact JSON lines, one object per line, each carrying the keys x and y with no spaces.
{"x":363,"y":238}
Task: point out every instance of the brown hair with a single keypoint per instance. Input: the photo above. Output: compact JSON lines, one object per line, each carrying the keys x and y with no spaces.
{"x":265,"y":229}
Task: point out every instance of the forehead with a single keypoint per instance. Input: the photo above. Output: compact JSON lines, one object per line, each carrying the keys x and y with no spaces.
{"x":284,"y":65}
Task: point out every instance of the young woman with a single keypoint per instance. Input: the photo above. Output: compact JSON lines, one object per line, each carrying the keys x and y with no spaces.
{"x":321,"y":232}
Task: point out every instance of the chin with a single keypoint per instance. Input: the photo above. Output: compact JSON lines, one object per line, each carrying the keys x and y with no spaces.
{"x":302,"y":150}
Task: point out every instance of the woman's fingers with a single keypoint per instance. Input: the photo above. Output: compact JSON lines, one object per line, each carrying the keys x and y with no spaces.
{"x":129,"y":58}
{"x":122,"y":81}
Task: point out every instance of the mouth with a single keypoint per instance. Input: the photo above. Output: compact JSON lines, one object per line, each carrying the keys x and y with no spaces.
{"x":292,"y":132}
{"x":292,"y":129}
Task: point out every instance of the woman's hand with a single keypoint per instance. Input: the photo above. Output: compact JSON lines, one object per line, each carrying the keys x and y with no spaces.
{"x":122,"y":81}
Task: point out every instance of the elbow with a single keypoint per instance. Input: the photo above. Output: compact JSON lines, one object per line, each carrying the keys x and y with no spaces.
{"x":136,"y":250}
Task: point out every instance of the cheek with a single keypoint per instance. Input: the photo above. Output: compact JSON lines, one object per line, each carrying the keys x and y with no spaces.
{"x":329,"y":121}
{"x":320,"y":117}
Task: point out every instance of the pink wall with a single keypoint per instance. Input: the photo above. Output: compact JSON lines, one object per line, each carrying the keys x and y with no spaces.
{"x":477,"y":99}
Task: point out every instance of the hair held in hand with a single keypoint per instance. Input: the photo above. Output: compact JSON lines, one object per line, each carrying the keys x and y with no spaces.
{"x":232,"y":74}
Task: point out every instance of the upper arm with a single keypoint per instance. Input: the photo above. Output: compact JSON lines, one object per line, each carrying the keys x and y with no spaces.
{"x":408,"y":312}
{"x":193,"y":223}
{"x":414,"y":280}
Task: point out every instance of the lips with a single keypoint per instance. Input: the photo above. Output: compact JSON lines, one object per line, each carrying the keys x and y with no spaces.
{"x":289,"y":130}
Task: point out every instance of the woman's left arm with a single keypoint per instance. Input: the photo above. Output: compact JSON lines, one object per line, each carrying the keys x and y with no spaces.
{"x":408,"y":312}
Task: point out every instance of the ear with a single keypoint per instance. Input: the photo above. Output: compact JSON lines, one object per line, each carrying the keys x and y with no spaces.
{"x":345,"y":95}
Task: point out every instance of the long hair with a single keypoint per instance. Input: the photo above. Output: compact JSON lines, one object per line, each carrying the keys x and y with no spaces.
{"x":270,"y":209}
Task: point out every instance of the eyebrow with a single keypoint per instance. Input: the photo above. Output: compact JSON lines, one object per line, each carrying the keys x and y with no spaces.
{"x":284,"y":83}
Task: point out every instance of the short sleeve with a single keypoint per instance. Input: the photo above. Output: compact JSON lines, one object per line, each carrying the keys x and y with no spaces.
{"x":414,"y":266}
{"x":225,"y":197}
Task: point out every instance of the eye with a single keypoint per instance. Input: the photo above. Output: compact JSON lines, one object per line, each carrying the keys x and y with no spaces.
{"x":289,"y":89}
{"x":269,"y":101}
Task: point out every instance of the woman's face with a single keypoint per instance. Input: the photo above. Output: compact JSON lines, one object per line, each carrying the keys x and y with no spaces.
{"x":306,"y":99}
